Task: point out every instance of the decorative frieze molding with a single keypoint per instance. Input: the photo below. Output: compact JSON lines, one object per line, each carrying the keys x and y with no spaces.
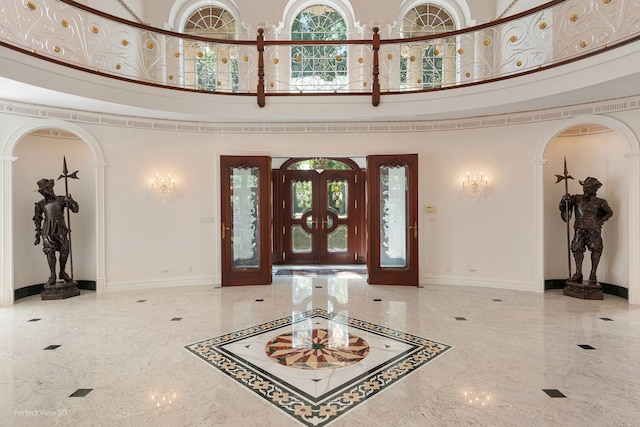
{"x":54,"y":133}
{"x":372,"y":126}
{"x":585,"y":130}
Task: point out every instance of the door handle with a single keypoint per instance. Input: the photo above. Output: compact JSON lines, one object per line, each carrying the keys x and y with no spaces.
{"x":315,"y":222}
{"x":414,"y":227}
{"x":324,"y":222}
{"x":224,"y":229}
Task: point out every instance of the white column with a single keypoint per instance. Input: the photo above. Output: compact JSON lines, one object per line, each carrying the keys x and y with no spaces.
{"x":101,"y":280}
{"x":538,"y":280}
{"x":6,"y":230}
{"x":634,"y":228}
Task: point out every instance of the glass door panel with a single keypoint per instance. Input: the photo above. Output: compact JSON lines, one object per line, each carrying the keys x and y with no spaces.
{"x":393,"y":216}
{"x":338,"y":240}
{"x":245,"y":235}
{"x":245,"y":219}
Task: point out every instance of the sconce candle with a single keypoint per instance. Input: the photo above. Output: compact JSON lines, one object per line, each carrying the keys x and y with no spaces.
{"x":474,"y":186}
{"x":163,"y":188}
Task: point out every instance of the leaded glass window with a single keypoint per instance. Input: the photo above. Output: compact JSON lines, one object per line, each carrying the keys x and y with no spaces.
{"x":432,"y":63}
{"x":319,"y":68}
{"x":211,"y":67}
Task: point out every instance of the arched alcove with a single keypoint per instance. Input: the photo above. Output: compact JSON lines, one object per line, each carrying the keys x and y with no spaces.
{"x":606,"y":149}
{"x":37,"y":150}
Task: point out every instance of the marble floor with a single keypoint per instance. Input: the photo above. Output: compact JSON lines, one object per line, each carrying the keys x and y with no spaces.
{"x":320,"y":350}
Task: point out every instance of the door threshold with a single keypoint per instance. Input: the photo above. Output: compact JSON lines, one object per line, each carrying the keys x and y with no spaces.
{"x":354,"y":270}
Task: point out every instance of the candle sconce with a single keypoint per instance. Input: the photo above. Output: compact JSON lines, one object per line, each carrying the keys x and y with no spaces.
{"x":475,"y":186}
{"x":163,"y":188}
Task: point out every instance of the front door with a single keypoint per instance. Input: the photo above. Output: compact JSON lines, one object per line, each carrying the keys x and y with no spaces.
{"x":393,"y":219}
{"x":245,"y":220}
{"x":320,"y":212}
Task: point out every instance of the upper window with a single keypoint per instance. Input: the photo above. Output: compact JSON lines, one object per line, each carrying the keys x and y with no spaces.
{"x":427,"y":64}
{"x":212,"y":67}
{"x":319,"y":68}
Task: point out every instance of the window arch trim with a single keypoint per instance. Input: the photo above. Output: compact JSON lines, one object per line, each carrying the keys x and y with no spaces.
{"x":182,"y":11}
{"x":459,"y":11}
{"x":294,"y":7}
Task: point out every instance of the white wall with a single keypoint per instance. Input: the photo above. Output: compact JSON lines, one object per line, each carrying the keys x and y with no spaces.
{"x":491,"y":242}
{"x":486,"y":243}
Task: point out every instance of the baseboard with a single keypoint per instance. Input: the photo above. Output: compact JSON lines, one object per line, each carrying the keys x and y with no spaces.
{"x":27,"y":291}
{"x":516,"y":285}
{"x":607,"y":288}
{"x":130,"y":285}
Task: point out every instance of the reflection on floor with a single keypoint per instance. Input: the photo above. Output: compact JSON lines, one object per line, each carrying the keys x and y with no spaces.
{"x":157,"y":357}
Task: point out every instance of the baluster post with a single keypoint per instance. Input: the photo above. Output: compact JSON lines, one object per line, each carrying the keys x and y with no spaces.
{"x":375,"y":95}
{"x":260,"y":47}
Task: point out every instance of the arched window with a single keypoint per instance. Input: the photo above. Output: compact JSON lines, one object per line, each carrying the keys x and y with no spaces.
{"x":211,"y":67}
{"x":319,"y":68}
{"x":428,"y":64}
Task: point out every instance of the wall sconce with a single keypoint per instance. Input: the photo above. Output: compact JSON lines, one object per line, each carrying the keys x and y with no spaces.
{"x":163,"y":188}
{"x":474,"y":186}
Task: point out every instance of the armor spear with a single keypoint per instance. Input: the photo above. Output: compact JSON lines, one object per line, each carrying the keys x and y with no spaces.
{"x":566,"y":177}
{"x":66,"y":175}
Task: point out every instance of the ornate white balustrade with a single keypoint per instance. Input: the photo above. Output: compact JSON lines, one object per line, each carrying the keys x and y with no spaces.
{"x":558,"y":32}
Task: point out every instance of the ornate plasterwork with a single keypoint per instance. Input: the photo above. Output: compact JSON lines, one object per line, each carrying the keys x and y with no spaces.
{"x":150,"y":123}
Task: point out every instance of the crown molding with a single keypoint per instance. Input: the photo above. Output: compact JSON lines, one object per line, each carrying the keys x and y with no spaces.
{"x":419,"y":126}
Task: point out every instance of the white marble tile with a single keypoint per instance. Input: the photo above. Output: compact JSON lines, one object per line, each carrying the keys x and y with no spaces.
{"x":131,"y":354}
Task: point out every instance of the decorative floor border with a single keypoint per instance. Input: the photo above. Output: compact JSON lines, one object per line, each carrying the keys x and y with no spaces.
{"x":321,"y":410}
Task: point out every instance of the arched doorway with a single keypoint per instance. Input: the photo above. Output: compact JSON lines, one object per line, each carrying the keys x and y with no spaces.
{"x":319,"y":212}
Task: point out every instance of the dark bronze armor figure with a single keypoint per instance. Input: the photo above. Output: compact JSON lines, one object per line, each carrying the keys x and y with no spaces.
{"x":590,"y":214}
{"x":51,"y":227}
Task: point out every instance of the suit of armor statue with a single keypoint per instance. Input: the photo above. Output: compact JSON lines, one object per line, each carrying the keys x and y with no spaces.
{"x":50,"y":225}
{"x":590,"y":214}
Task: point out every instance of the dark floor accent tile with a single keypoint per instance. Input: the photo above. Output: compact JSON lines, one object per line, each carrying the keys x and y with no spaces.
{"x":51,"y":347}
{"x":377,"y":300}
{"x":461,"y":318}
{"x":260,"y":300}
{"x":176,"y":319}
{"x":81,"y":392}
{"x":497,"y":300}
{"x":142,"y":300}
{"x":586,"y":346}
{"x":34,"y":320}
{"x":554,"y":393}
{"x":318,"y":287}
{"x":606,"y":319}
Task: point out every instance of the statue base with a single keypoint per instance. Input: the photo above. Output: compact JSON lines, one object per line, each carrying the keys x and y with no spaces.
{"x":583,"y":291}
{"x":60,"y":290}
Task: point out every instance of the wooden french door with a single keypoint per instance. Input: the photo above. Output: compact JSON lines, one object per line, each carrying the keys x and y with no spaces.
{"x":320,"y":216}
{"x":245,"y":220}
{"x":392,"y":219}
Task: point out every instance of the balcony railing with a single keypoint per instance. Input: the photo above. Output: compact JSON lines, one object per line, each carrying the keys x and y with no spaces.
{"x":553,"y":34}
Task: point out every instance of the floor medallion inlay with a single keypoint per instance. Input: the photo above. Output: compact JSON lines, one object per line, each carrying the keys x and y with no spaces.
{"x":340,"y":361}
{"x":320,"y":349}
